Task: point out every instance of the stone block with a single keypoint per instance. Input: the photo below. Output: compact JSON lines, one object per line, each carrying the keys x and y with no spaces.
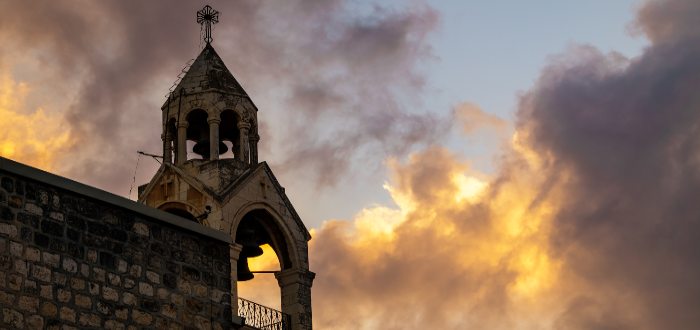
{"x":46,"y":292}
{"x":89,"y":320}
{"x":14,"y":282}
{"x":67,"y":314}
{"x":70,"y":265}
{"x":169,"y":310}
{"x":29,"y":304}
{"x":104,"y":307}
{"x":48,"y":309}
{"x":33,"y":209}
{"x":32,"y":254}
{"x":141,"y":229}
{"x":16,"y":249}
{"x":129,"y":283}
{"x":21,"y":267}
{"x":145,"y":289}
{"x":59,"y":278}
{"x":128,"y":299}
{"x":51,"y":259}
{"x":114,"y":279}
{"x":94,"y":288}
{"x":200,"y":290}
{"x":141,"y":318}
{"x":56,"y":216}
{"x":98,"y":274}
{"x":202,"y":323}
{"x":110,"y":294}
{"x":63,"y":295}
{"x":135,"y":271}
{"x":121,"y":313}
{"x":153,"y":277}
{"x":83,"y":301}
{"x":114,"y":325}
{"x":77,"y":284}
{"x":7,"y":299}
{"x":35,"y":322}
{"x":13,"y":318}
{"x":41,"y":273}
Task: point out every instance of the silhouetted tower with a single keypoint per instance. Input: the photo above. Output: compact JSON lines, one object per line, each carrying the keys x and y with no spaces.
{"x":208,"y":113}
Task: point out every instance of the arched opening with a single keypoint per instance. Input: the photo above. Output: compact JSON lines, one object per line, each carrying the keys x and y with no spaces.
{"x":179,"y":209}
{"x":264,"y":254}
{"x":181,"y":213}
{"x":263,"y":288}
{"x":229,"y":133}
{"x":198,"y":133}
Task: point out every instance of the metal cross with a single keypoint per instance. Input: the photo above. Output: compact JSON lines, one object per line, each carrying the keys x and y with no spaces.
{"x":206,"y":17}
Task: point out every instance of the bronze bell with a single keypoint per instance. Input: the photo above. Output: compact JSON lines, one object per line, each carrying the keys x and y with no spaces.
{"x":249,"y":240}
{"x":244,"y":273}
{"x":202,"y":148}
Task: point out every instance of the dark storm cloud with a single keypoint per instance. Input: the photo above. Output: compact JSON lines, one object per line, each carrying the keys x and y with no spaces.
{"x":339,"y":68}
{"x":628,"y":134}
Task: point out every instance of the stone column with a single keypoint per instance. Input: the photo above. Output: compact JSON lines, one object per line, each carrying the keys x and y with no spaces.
{"x":214,"y":138}
{"x":243,"y":128}
{"x":295,"y":285}
{"x":254,"y":149}
{"x":181,"y":155}
{"x":166,"y":147}
{"x":234,"y":252}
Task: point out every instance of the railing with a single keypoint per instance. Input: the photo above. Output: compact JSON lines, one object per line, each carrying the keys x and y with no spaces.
{"x":263,"y":317}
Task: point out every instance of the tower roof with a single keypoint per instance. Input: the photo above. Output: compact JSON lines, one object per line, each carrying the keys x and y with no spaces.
{"x":208,"y":72}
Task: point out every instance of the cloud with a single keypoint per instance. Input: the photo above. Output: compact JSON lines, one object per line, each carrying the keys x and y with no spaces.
{"x":31,"y":136}
{"x":474,"y":118}
{"x":331,"y":74}
{"x":590,"y":222}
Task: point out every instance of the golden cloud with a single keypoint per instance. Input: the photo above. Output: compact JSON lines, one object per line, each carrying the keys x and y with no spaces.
{"x":34,"y":137}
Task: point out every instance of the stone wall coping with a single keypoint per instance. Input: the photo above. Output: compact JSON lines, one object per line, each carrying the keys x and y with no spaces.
{"x":57,"y":181}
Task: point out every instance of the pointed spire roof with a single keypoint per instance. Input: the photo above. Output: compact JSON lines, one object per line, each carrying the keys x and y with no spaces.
{"x":208,"y":72}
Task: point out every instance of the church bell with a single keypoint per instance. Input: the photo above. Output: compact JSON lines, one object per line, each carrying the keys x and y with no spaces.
{"x":251,"y":248}
{"x":202,"y":147}
{"x":249,"y":240}
{"x":244,"y":273}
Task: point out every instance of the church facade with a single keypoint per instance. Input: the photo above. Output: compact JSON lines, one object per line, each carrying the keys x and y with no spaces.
{"x":239,"y":195}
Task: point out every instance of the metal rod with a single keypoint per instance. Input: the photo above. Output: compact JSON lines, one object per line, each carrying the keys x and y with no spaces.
{"x":147,"y":154}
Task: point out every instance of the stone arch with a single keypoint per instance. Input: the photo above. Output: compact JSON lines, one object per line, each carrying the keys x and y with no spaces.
{"x":182,"y":209}
{"x":228,"y":130}
{"x":284,"y":241}
{"x":198,"y":131}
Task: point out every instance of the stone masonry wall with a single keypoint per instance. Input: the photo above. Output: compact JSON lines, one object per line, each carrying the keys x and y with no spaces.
{"x":70,"y":261}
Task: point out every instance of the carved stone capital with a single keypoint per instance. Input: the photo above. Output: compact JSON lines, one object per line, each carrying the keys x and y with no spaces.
{"x":243,"y":125}
{"x":295,"y":276}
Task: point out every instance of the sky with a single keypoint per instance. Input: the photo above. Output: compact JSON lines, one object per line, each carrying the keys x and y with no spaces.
{"x":461,"y":164}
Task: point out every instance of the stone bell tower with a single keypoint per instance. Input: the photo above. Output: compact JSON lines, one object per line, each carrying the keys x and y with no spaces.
{"x":207,"y":114}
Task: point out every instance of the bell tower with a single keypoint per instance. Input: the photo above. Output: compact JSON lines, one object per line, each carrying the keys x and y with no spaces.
{"x":211,"y":175}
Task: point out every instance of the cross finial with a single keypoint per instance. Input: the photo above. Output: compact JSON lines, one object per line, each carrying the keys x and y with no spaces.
{"x":206,"y":17}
